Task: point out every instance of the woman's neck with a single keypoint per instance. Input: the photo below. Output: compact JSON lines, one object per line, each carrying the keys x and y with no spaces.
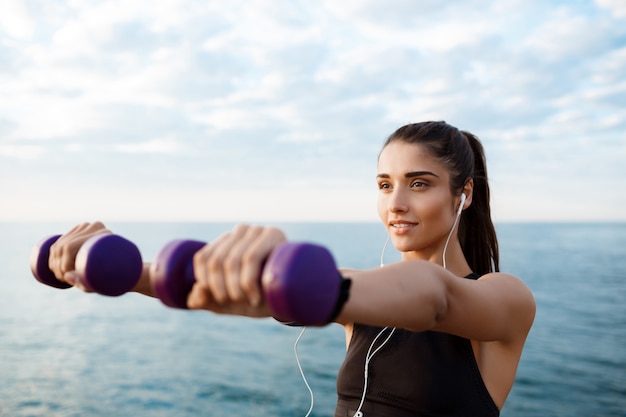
{"x":455,"y":261}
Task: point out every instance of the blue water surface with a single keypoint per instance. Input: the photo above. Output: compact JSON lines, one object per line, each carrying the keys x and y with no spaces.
{"x":66,"y":353}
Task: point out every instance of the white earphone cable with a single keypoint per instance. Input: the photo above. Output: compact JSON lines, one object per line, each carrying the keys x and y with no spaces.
{"x":370,"y":354}
{"x":382,"y":253}
{"x":456,"y":220}
{"x":368,"y":358}
{"x":295,"y":349}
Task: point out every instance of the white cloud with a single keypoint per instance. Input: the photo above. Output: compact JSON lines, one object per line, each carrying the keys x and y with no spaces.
{"x":153,"y":146}
{"x":44,"y":116}
{"x":305,"y":93}
{"x":21,"y":151}
{"x":617,"y":7}
{"x":15,"y":19}
{"x":123,"y":203}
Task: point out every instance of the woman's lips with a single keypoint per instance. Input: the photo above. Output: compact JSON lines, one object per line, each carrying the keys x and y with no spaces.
{"x":400,"y":227}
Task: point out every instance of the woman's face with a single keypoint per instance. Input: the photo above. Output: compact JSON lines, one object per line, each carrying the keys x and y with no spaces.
{"x":415,"y":202}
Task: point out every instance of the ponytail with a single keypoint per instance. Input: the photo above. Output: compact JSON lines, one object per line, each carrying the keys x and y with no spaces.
{"x":477,"y":233}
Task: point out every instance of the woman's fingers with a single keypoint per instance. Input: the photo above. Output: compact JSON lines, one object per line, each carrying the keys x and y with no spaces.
{"x":254,"y":257}
{"x":200,"y":298}
{"x":229,"y":268}
{"x":63,"y":252}
{"x":242,"y":258}
{"x":207,"y":265}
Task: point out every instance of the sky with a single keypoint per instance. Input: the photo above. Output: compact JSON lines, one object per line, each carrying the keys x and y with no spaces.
{"x":275,"y":110}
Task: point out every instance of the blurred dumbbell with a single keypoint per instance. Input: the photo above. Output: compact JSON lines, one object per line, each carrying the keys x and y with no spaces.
{"x":106,"y":264}
{"x":300,"y":281}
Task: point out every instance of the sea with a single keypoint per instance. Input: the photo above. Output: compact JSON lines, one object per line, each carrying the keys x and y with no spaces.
{"x":68,"y":353}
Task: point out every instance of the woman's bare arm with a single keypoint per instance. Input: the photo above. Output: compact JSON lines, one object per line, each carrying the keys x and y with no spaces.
{"x":420,"y":295}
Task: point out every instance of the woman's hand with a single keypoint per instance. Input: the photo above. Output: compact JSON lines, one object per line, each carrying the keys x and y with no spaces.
{"x":228,"y":271}
{"x":63,"y":252}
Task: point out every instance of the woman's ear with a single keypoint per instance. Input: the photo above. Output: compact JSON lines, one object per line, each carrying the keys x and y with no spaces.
{"x":468,"y":190}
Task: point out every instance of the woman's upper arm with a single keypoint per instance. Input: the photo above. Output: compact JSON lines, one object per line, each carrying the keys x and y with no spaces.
{"x":496,"y":307}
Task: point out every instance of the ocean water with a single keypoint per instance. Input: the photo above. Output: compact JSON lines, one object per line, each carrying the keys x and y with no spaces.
{"x":66,"y":353}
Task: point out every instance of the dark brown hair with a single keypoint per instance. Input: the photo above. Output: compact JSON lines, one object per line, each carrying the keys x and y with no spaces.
{"x":463,"y":155}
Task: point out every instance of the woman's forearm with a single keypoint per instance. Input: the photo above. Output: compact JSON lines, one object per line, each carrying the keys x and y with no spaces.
{"x":143,"y":285}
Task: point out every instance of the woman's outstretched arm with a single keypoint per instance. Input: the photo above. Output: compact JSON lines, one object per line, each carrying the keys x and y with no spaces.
{"x":420,"y":295}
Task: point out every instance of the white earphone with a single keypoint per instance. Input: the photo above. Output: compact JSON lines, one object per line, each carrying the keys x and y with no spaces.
{"x":461,"y":204}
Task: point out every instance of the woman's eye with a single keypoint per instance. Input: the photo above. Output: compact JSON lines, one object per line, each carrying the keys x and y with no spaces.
{"x":418,"y":184}
{"x":384,"y":186}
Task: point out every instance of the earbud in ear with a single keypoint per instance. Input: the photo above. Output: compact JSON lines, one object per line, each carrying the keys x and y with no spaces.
{"x":461,"y":204}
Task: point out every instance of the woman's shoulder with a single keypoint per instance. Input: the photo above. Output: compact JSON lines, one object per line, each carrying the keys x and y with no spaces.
{"x":508,"y":283}
{"x":515,"y":290}
{"x":503,"y":277}
{"x":502,"y":308}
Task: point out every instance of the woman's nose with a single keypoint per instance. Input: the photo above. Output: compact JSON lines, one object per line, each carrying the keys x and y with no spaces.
{"x":398,"y":202}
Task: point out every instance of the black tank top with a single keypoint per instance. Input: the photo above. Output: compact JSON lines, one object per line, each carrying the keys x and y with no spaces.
{"x":414,"y":374}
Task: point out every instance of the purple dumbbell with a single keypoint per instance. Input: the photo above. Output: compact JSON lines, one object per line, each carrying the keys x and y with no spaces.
{"x":171,"y":273}
{"x":106,"y":264}
{"x":39,"y":263}
{"x":301,"y":284}
{"x":300,"y":281}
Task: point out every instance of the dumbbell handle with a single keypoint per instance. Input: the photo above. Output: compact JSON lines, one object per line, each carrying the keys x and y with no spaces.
{"x":106,"y":264}
{"x":300,"y":281}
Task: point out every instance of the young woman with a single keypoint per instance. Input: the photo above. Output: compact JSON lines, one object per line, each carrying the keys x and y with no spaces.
{"x":446,"y":327}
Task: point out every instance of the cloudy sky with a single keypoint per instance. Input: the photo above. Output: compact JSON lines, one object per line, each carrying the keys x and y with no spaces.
{"x":276,"y":110}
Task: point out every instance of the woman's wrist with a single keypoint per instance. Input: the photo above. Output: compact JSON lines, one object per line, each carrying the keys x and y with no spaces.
{"x":143,"y":285}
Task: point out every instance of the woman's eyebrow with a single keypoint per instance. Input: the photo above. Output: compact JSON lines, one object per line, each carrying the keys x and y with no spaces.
{"x":420,"y":174}
{"x":412,"y":174}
